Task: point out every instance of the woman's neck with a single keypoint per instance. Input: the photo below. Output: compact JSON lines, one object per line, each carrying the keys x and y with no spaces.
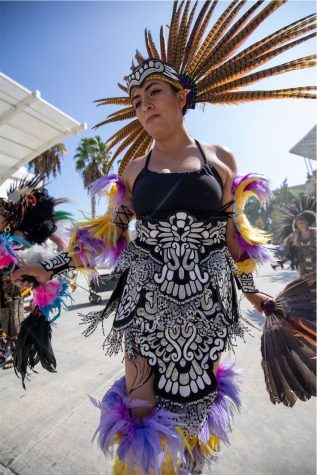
{"x":304,"y":233}
{"x":173,"y":142}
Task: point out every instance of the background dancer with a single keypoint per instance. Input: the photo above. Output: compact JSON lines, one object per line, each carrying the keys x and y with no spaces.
{"x":28,"y":213}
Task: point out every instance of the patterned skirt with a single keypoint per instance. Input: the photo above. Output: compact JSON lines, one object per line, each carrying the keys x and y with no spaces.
{"x":175,"y":304}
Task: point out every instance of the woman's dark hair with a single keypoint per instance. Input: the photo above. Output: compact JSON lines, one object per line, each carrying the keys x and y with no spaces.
{"x":302,"y":217}
{"x":174,"y":88}
{"x":38,"y":222}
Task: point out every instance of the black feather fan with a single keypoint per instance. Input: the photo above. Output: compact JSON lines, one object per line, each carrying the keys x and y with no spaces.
{"x":34,"y":346}
{"x":288,"y":343}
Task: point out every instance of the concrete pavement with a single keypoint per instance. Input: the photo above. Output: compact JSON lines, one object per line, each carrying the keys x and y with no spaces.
{"x":47,"y":429}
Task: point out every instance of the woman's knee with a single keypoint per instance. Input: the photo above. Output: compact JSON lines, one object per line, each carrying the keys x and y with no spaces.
{"x":216,"y":364}
{"x":139,"y":385}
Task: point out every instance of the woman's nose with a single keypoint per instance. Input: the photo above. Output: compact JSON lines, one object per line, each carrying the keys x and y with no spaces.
{"x":146,"y":105}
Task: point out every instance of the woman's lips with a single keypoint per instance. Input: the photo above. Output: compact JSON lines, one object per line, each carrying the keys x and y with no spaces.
{"x":151,"y":118}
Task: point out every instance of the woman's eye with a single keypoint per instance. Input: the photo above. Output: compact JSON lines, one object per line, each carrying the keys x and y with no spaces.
{"x":137,"y":104}
{"x":155,"y":91}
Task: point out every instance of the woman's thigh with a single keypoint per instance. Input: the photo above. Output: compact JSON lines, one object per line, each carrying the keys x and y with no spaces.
{"x":139,"y":383}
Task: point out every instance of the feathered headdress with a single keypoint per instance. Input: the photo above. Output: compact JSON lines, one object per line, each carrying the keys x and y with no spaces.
{"x":30,"y":209}
{"x":303,"y":207}
{"x":205,"y":61}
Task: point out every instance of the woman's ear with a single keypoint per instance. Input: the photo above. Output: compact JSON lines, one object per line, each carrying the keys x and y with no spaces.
{"x":182,"y":97}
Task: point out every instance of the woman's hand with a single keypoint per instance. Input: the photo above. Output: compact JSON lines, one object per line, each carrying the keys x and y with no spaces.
{"x":256,"y":300}
{"x":19,"y":277}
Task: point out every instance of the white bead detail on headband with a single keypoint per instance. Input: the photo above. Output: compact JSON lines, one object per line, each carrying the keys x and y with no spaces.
{"x":149,"y":67}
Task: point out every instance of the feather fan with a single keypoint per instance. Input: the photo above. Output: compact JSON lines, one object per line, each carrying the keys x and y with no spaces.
{"x":288,"y":343}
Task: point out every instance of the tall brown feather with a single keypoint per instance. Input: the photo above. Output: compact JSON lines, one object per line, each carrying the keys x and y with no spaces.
{"x":113,"y":100}
{"x":188,"y":28}
{"x":227,"y":85}
{"x":163,"y":44}
{"x":131,"y":153}
{"x":150,"y":45}
{"x":127,"y":115}
{"x":182,"y":37}
{"x":130,"y":138}
{"x":122,"y":133}
{"x":208,"y":44}
{"x":237,"y":67}
{"x":216,"y":57}
{"x":169,"y":40}
{"x":281,"y":33}
{"x":248,"y":96}
{"x":195,"y":36}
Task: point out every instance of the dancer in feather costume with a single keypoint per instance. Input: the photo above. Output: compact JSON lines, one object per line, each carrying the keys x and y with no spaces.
{"x":175,"y":306}
{"x":27,"y":219}
{"x":298,"y":229}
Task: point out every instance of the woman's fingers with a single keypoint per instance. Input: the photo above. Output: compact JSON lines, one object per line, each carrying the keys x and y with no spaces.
{"x":20,"y":276}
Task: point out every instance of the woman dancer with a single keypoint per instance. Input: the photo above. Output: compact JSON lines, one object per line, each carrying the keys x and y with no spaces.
{"x":175,"y":304}
{"x":28,"y":213}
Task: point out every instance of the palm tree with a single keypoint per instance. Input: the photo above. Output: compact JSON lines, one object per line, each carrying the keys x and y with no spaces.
{"x":92,"y":159}
{"x":49,"y":162}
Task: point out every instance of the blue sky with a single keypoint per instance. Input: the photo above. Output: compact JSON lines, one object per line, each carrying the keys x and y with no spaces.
{"x":76,"y":52}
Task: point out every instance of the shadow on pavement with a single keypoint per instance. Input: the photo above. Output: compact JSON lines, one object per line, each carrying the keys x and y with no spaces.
{"x":87,"y":304}
{"x":255,"y":317}
{"x":281,"y":276}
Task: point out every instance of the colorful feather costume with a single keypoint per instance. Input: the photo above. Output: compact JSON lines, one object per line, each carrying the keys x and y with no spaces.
{"x":251,"y":239}
{"x":101,"y":240}
{"x":299,"y":248}
{"x":30,"y":211}
{"x":156,"y":444}
{"x":175,"y":302}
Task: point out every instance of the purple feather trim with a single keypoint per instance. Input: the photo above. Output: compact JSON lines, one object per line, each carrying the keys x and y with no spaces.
{"x":140,"y":440}
{"x":88,"y":248}
{"x":103,"y":185}
{"x":258,"y":252}
{"x":260,"y":186}
{"x":224,"y":407}
{"x":111,"y":256}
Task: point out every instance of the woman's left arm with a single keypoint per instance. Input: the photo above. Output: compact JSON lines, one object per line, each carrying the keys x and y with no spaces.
{"x":255,"y":297}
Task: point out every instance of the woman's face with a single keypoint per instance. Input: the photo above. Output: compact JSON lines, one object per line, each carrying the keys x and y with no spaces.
{"x":158,"y":107}
{"x":3,"y":219}
{"x":302,"y":225}
{"x":4,"y":222}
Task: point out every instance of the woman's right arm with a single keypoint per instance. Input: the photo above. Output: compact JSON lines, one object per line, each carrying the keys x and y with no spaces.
{"x":45,"y":270}
{"x":105,"y":236}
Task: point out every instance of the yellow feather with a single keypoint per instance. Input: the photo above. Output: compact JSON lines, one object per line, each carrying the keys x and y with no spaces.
{"x":26,"y":292}
{"x":250,"y":233}
{"x":121,"y":468}
{"x":212,"y":446}
{"x":246,"y":266}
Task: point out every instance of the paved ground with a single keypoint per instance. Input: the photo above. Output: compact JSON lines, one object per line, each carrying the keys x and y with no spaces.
{"x":47,"y":429}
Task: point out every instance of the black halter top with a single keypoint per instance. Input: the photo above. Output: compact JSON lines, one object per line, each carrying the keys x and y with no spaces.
{"x":156,"y":195}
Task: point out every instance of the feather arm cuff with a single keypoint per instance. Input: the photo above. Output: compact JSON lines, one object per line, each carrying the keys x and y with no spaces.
{"x":251,"y":239}
{"x":102,"y":239}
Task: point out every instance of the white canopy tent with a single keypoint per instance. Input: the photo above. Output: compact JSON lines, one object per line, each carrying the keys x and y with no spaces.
{"x":28,"y":126}
{"x":306,"y":148}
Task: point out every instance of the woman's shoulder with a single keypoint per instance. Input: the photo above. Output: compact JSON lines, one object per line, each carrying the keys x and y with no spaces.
{"x":133,"y":169}
{"x":221,"y":156}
